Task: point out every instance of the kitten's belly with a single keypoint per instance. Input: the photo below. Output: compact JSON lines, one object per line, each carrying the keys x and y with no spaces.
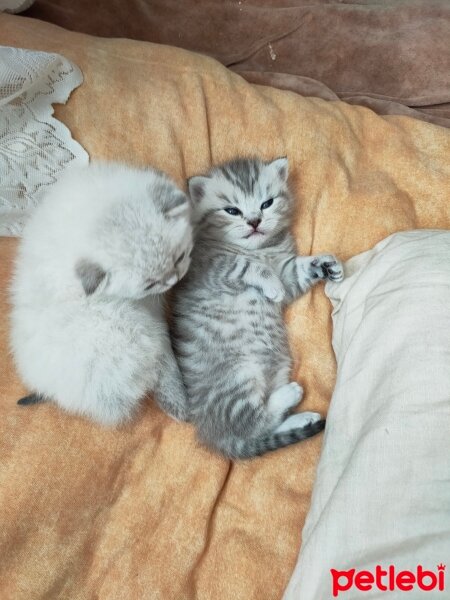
{"x":232,"y":329}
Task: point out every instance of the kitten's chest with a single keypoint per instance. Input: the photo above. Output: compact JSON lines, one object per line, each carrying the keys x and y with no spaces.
{"x":249,"y":317}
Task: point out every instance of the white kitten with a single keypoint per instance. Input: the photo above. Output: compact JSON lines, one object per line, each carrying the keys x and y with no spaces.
{"x":88,"y":326}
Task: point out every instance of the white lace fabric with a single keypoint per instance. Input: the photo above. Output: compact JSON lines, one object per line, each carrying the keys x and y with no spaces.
{"x":34,"y":146}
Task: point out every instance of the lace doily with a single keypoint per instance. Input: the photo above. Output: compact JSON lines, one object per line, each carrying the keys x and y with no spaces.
{"x":34,"y":146}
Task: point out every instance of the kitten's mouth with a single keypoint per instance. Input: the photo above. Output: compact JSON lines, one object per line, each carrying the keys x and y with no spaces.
{"x":254,"y":232}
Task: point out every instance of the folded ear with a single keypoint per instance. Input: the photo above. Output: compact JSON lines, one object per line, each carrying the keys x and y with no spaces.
{"x":90,"y":275}
{"x":172,"y":202}
{"x":176,"y":204}
{"x":281,"y":167}
{"x":197,"y":187}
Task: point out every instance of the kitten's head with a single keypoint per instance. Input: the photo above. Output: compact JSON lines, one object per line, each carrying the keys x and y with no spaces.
{"x":245,"y":202}
{"x":142,"y":241}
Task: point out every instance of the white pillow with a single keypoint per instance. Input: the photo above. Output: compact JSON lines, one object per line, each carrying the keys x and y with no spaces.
{"x":382,"y":493}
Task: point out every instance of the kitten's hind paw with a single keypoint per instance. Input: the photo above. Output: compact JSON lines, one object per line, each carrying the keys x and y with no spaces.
{"x":285,"y":398}
{"x":298,"y":420}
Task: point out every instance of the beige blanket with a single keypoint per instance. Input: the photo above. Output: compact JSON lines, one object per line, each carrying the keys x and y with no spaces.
{"x":144,"y":512}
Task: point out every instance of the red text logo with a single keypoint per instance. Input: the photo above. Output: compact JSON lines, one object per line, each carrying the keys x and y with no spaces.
{"x":388,"y":580}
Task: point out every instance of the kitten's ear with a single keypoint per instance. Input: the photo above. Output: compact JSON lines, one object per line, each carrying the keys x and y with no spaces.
{"x":176,"y":205}
{"x":90,"y":275}
{"x":197,"y":187}
{"x":172,"y":202}
{"x":281,"y":167}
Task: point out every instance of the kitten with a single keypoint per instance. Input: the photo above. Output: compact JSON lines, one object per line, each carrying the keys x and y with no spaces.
{"x":228,"y":331}
{"x":88,"y":327}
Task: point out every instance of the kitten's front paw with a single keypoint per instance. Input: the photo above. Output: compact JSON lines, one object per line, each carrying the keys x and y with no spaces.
{"x":273,"y":291}
{"x":326,"y":266}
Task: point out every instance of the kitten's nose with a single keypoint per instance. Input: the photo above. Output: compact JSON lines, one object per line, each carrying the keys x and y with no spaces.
{"x":254,"y":223}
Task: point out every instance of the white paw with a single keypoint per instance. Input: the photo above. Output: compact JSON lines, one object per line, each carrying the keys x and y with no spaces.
{"x":326,"y":266}
{"x":298,"y":420}
{"x":274,"y":292}
{"x":295,"y":391}
{"x":309,"y":417}
{"x":286,"y":397}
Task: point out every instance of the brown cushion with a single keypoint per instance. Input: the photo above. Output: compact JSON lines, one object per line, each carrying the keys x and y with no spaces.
{"x":390,"y":56}
{"x":144,"y":512}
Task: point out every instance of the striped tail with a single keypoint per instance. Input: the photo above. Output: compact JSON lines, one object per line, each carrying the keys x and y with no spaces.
{"x":252,"y":447}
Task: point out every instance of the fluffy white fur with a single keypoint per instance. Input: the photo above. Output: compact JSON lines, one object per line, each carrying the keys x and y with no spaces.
{"x":88,"y":327}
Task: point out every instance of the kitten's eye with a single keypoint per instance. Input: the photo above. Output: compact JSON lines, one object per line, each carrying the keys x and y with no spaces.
{"x":180,"y":258}
{"x":232,"y":211}
{"x":267,"y":203}
{"x":151,"y":284}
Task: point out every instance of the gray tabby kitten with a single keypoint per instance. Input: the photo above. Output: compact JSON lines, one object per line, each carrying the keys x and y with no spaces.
{"x":228,"y":330}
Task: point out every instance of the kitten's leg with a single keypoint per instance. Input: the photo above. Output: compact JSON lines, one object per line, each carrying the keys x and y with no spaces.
{"x":170,"y":392}
{"x":300,"y":273}
{"x":282,"y":375}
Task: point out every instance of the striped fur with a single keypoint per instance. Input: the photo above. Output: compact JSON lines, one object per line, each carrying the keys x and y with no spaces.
{"x":228,"y":329}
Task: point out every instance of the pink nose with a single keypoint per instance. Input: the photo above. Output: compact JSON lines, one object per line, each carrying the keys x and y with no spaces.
{"x":254,"y":223}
